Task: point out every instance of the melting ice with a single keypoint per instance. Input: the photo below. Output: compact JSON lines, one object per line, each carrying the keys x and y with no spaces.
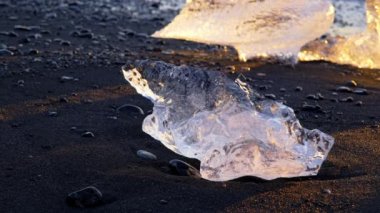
{"x":279,"y":28}
{"x":225,"y":124}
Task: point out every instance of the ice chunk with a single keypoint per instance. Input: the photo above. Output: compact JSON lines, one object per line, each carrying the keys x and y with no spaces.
{"x":361,"y":50}
{"x":264,"y":28}
{"x":225,"y":124}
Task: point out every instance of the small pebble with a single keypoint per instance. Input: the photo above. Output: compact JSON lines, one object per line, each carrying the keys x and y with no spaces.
{"x":348,"y":99}
{"x":298,"y":89}
{"x":327,"y":191}
{"x":84,"y":198}
{"x":163,"y":201}
{"x":88,"y":135}
{"x":184,"y":169}
{"x":270,"y":96}
{"x":343,"y":89}
{"x":359,"y":103}
{"x":130,"y":108}
{"x":352,"y":83}
{"x":361,"y":91}
{"x":146,"y":155}
{"x":52,"y":113}
{"x":4,"y":52}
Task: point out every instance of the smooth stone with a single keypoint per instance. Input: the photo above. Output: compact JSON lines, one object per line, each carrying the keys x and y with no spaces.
{"x":343,"y":89}
{"x":270,"y":96}
{"x":128,"y":107}
{"x":52,"y":113}
{"x":4,"y":52}
{"x":348,"y":99}
{"x":361,"y":91}
{"x":86,"y":197}
{"x":298,"y":89}
{"x":184,"y":169}
{"x":88,"y":135}
{"x":359,"y":103}
{"x":312,"y":108}
{"x":146,"y":155}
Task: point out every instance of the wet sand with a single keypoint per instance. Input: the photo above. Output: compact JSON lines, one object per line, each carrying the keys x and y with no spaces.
{"x":62,"y":78}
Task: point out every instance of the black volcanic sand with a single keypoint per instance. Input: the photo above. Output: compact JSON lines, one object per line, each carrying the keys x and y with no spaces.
{"x":42,"y":117}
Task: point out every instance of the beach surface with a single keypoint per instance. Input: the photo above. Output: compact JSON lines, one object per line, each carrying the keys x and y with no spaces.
{"x":60,"y":77}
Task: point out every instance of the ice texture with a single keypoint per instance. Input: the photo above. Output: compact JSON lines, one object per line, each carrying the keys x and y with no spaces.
{"x":256,"y":28}
{"x":361,"y":49}
{"x":225,"y":124}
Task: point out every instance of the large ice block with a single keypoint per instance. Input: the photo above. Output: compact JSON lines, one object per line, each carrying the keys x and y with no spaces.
{"x":225,"y":124}
{"x":269,"y":28}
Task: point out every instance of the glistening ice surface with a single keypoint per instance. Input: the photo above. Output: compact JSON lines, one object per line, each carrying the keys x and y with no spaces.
{"x":225,"y":124}
{"x":256,"y":28}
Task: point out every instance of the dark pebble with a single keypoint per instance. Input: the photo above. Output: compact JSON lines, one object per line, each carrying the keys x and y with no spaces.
{"x":26,"y":28}
{"x":359,"y":103}
{"x":361,"y":91}
{"x":88,"y":135}
{"x":348,"y":99}
{"x":130,"y":108}
{"x":163,"y":201}
{"x":183,"y":169}
{"x":4,"y":52}
{"x":146,"y":155}
{"x":312,"y":97}
{"x":343,"y":89}
{"x":33,"y":52}
{"x":270,"y":96}
{"x":87,"y":197}
{"x":64,"y":100}
{"x":311,"y":108}
{"x":298,"y":89}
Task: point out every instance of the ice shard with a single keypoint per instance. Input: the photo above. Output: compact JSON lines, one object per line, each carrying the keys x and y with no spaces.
{"x":256,"y":28}
{"x":361,"y":49}
{"x":225,"y":124}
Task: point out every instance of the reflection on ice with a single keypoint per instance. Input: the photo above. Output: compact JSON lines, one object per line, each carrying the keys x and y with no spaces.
{"x":225,"y":124}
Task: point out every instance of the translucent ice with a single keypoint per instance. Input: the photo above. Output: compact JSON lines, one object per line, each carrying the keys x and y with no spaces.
{"x":225,"y":124}
{"x":256,"y":28}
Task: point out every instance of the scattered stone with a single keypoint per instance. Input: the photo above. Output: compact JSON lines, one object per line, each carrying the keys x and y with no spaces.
{"x":343,"y":89}
{"x":33,"y":52}
{"x":298,"y":89}
{"x":146,"y":155}
{"x":88,"y":135}
{"x":64,"y":100}
{"x":53,"y":113}
{"x":327,"y":191}
{"x":282,"y":90}
{"x":270,"y":96}
{"x":348,"y":99}
{"x":361,"y":91}
{"x":130,"y":107}
{"x":163,"y":201}
{"x":65,"y":43}
{"x":26,"y":28}
{"x":311,"y":108}
{"x":66,"y":78}
{"x":183,"y":168}
{"x":5,"y":52}
{"x":352,"y":83}
{"x":10,"y":34}
{"x":312,"y":97}
{"x":359,"y":103}
{"x":84,"y":198}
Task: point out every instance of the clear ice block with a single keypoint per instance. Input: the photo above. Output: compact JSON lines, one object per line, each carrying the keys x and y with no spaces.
{"x":225,"y":124}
